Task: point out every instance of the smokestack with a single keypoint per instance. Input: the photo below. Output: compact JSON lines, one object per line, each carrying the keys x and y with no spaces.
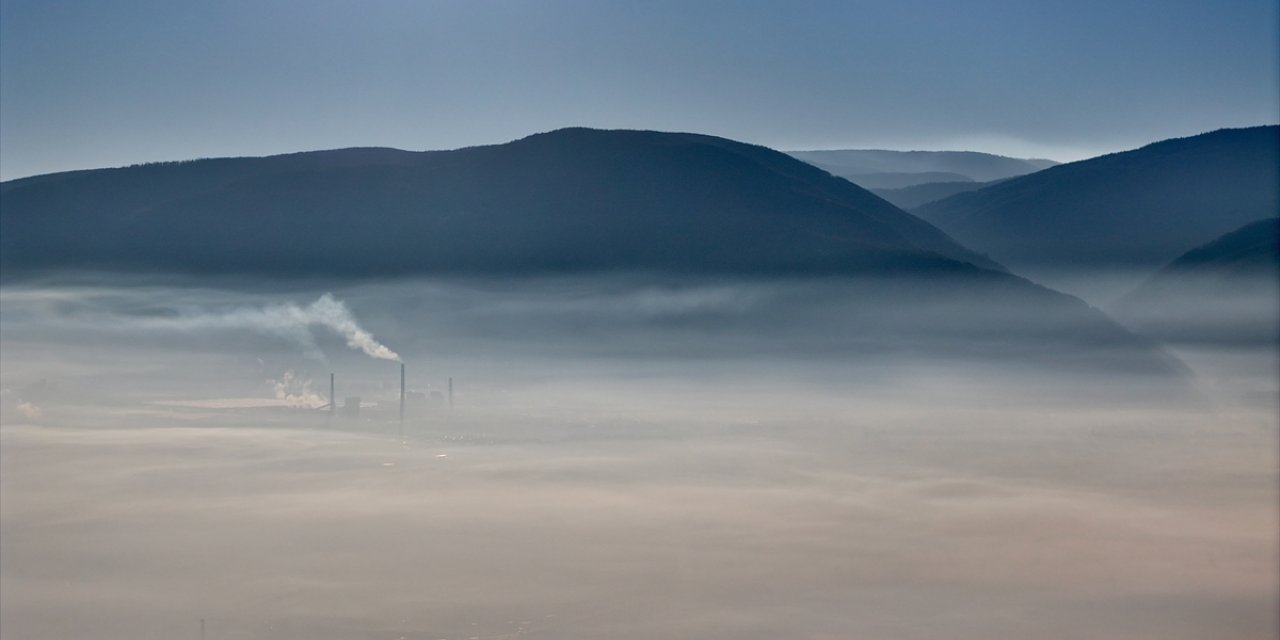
{"x":450,"y":393}
{"x":402,"y":392}
{"x":201,"y":628}
{"x":333,"y":399}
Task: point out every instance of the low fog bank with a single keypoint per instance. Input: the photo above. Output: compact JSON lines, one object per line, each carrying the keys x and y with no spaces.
{"x":846,"y":331}
{"x":883,"y":522}
{"x":1240,"y":310}
{"x":626,"y":458}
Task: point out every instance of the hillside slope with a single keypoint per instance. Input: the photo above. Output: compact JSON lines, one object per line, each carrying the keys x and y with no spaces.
{"x":1135,"y":210}
{"x":568,"y":200}
{"x":908,"y":198}
{"x":1227,"y":290}
{"x":577,"y":202}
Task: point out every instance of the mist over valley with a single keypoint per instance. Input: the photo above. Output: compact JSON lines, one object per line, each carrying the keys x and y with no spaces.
{"x":565,"y":321}
{"x":837,"y":418}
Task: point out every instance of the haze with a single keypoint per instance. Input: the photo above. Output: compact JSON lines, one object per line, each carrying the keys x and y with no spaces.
{"x":568,"y":320}
{"x":724,"y":458}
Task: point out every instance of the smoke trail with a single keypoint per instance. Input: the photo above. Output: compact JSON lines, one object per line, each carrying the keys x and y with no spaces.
{"x":334,"y":314}
{"x":294,"y":323}
{"x":296,"y":392}
{"x":290,"y":321}
{"x":29,"y":410}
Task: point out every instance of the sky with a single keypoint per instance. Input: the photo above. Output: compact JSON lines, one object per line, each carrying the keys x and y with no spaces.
{"x":95,"y":84}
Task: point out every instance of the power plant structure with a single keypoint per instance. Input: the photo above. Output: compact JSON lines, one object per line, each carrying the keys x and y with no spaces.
{"x":350,"y":406}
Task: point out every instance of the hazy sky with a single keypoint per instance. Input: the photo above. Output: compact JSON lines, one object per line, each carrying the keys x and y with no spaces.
{"x":90,"y":84}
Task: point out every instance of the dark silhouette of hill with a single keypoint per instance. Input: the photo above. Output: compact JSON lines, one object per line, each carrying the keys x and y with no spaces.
{"x":907,"y":198}
{"x":862,"y":165}
{"x":1247,"y":251}
{"x":1137,"y":209}
{"x":569,"y":200}
{"x":573,"y":201}
{"x":1225,"y":291}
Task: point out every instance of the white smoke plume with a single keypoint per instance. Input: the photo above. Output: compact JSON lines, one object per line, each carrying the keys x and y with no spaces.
{"x":296,"y":392}
{"x":289,"y":321}
{"x":330,"y":312}
{"x":29,"y":410}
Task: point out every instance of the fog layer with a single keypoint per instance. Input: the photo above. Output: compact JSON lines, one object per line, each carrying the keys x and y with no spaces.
{"x":626,"y":458}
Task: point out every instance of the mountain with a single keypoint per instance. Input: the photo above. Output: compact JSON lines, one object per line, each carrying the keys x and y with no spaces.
{"x":1225,"y":291}
{"x":899,"y":180}
{"x":1248,"y":251}
{"x":908,"y":198}
{"x":568,"y":200}
{"x":866,"y":167}
{"x":1135,"y":210}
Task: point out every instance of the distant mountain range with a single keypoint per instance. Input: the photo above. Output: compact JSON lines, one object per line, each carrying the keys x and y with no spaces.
{"x":882,"y":169}
{"x":569,"y":200}
{"x":1134,"y":210}
{"x":573,"y":201}
{"x":899,"y":180}
{"x":908,"y":198}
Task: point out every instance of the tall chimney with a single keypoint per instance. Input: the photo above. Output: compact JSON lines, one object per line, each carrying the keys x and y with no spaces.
{"x":402,"y":392}
{"x":333,"y":399}
{"x":450,"y":393}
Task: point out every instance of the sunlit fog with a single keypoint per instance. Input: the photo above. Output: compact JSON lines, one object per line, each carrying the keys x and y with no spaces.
{"x":626,"y":457}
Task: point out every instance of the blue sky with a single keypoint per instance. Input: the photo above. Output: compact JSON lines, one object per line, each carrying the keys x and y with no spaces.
{"x":92,"y":84}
